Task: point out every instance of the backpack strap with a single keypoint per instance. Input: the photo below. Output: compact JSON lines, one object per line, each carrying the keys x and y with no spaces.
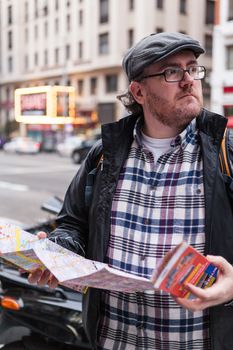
{"x":225,"y":160}
{"x":223,"y":155}
{"x":225,"y":164}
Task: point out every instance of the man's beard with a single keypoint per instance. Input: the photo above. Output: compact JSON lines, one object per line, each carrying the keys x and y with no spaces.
{"x":169,"y":114}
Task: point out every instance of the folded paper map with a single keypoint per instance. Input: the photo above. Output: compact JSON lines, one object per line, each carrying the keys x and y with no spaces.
{"x":28,"y":252}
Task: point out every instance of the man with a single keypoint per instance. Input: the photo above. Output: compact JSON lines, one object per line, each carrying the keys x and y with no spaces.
{"x":159,"y":183}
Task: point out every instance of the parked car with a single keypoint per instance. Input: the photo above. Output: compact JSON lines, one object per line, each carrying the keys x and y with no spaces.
{"x":3,"y":140}
{"x":80,"y":152}
{"x":22,"y":145}
{"x":66,"y":148}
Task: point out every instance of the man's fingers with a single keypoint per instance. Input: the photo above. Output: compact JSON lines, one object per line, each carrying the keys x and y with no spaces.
{"x":193,"y":305}
{"x":44,"y":278}
{"x":220,"y":262}
{"x":53,"y":282}
{"x":197,"y":292}
{"x":41,"y":234}
{"x":35,"y":276}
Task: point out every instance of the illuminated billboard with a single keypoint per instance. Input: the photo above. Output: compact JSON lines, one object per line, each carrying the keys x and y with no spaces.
{"x":45,"y":105}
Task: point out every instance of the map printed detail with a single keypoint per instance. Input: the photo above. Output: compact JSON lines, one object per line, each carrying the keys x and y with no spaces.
{"x":16,"y":246}
{"x":180,"y":265}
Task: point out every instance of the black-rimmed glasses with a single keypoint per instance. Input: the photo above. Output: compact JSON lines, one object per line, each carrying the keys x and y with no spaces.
{"x":176,"y":74}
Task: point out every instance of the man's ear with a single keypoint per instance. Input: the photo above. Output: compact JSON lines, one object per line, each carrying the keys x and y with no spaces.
{"x":136,"y":90}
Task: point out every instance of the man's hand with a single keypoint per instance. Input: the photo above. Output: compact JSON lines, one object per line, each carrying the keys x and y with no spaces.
{"x":42,"y":277}
{"x":219,"y":293}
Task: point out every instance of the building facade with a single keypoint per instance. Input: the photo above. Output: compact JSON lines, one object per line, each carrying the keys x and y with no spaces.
{"x":81,"y":43}
{"x":222,"y":72}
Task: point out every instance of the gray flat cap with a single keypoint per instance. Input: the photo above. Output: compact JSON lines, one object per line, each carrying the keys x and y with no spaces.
{"x":154,"y":48}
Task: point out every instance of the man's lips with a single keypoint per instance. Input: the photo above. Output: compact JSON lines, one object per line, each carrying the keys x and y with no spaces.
{"x":186,"y":95}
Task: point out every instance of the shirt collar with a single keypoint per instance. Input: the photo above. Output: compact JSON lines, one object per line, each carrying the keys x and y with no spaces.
{"x":188,"y":135}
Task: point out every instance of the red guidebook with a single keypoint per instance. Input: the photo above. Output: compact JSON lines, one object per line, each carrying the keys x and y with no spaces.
{"x":182,"y":265}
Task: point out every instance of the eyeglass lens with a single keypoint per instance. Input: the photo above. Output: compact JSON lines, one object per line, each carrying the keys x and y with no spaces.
{"x":177,"y":74}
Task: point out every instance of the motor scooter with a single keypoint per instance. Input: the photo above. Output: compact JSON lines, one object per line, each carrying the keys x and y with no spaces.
{"x":39,"y":318}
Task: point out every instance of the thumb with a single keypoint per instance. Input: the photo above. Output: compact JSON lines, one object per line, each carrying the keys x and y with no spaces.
{"x":220,"y":262}
{"x":41,"y":234}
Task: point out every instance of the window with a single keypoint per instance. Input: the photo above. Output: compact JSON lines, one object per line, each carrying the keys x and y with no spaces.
{"x":10,"y":64}
{"x":80,"y":50}
{"x":103,"y":11}
{"x":93,"y":88}
{"x":68,"y":23}
{"x":228,"y":111}
{"x":111,"y":83}
{"x":131,"y":5}
{"x":56,"y":25}
{"x":208,"y":44}
{"x":9,"y":15}
{"x":80,"y":87}
{"x":159,"y":30}
{"x":10,"y":40}
{"x":130,"y":37}
{"x":230,"y":11}
{"x":36,"y":8}
{"x":36,"y":58}
{"x":56,"y":56}
{"x":26,"y":11}
{"x":26,"y":62}
{"x":67,"y":52}
{"x":106,"y":112}
{"x":206,"y":85}
{"x":45,"y":28}
{"x":103,"y":44}
{"x":159,"y":4}
{"x":56,"y":5}
{"x":45,"y":57}
{"x":36,"y":31}
{"x":229,"y":57}
{"x":80,"y":17}
{"x":183,"y":9}
{"x":209,"y":16}
{"x":26,"y":35}
{"x":46,"y":10}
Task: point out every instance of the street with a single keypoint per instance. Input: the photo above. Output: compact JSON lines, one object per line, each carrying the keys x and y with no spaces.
{"x":26,"y":181}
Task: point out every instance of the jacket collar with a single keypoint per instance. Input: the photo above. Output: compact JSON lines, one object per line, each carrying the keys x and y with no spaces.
{"x":210,"y":123}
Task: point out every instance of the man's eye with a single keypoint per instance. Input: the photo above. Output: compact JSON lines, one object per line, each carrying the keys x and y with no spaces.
{"x":172,"y":71}
{"x":193,"y":69}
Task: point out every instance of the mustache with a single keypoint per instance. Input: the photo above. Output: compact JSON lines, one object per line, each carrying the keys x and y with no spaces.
{"x":186,"y":90}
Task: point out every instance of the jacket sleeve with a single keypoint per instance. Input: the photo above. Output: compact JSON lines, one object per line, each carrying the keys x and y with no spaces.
{"x":72,"y":221}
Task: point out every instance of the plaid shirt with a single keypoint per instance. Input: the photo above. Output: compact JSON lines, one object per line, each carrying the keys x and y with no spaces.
{"x":155,"y":207}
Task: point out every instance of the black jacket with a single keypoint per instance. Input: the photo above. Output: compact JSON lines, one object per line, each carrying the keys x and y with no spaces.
{"x":88,"y":229}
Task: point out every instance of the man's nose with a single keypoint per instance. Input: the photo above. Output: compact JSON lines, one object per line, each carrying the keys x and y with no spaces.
{"x":187,"y":79}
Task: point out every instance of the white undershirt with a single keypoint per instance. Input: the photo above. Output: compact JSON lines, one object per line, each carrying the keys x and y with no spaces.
{"x":156,"y":146}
